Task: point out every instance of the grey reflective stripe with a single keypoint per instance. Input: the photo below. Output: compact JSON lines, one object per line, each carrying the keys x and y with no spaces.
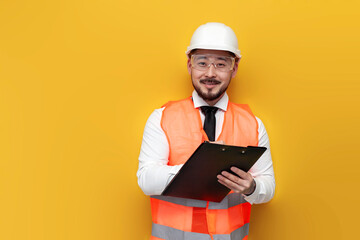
{"x":238,"y":234}
{"x":230,"y":200}
{"x":169,"y":233}
{"x":182,"y":201}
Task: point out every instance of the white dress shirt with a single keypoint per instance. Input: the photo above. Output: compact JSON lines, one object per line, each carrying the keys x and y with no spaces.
{"x":154,"y":173}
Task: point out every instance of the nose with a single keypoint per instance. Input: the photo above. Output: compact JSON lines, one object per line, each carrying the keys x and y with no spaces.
{"x":211,"y":71}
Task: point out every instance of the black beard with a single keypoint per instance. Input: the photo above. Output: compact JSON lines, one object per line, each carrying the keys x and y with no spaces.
{"x":208,"y":96}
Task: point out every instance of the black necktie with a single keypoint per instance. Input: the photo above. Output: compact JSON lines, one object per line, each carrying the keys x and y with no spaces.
{"x":210,"y":121}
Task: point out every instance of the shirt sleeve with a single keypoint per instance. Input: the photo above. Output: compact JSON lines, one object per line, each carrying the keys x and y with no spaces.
{"x":153,"y":172}
{"x":262,"y":171}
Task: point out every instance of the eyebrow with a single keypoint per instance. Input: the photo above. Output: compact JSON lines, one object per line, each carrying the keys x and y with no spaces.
{"x":222,"y":58}
{"x":201,"y":57}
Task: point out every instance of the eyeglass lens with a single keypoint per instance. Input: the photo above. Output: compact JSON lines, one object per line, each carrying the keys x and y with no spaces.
{"x":203,"y":62}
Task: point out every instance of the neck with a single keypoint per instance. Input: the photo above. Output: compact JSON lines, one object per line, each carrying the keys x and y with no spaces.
{"x":212,"y":103}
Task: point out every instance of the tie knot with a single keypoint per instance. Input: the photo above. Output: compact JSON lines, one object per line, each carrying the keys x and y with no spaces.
{"x":208,"y":109}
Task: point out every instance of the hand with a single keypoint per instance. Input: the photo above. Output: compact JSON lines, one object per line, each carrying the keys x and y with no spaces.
{"x":243,"y":182}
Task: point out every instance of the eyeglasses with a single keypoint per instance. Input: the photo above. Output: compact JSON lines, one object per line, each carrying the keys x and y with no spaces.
{"x":221,"y":63}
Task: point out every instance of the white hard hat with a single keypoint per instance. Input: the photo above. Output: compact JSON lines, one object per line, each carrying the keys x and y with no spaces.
{"x":214,"y":36}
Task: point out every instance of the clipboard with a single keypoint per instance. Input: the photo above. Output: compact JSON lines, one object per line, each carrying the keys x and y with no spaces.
{"x":197,"y":178}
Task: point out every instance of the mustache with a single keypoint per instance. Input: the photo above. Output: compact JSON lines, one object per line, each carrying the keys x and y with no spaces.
{"x":210,"y":80}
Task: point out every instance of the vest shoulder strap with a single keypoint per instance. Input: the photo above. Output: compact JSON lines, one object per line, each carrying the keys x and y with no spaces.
{"x":171,"y":103}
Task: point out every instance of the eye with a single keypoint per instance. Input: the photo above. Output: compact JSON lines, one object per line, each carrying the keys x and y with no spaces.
{"x":201,"y":64}
{"x":221,"y":65}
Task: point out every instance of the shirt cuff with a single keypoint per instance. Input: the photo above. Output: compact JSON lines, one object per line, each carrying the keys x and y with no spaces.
{"x":252,"y":197}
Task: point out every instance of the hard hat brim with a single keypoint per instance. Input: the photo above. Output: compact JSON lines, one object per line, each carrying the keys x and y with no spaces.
{"x":224,"y":48}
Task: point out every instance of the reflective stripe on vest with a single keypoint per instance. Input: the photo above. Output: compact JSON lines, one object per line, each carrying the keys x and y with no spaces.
{"x":179,"y":218}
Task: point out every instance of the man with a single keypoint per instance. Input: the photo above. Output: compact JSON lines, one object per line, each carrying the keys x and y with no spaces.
{"x":173,"y":132}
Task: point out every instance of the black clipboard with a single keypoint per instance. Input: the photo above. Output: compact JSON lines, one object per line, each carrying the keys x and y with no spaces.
{"x":197,"y":178}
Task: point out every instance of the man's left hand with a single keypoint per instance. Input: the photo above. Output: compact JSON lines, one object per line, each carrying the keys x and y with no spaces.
{"x":243,"y":182}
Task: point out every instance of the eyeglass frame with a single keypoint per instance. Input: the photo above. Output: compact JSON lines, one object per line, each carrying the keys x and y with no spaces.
{"x":233,"y":60}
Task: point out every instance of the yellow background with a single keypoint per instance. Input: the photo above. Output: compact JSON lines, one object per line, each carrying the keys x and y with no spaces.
{"x":78,"y":80}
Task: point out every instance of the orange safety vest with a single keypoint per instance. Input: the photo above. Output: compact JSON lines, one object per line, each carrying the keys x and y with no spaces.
{"x":187,"y":219}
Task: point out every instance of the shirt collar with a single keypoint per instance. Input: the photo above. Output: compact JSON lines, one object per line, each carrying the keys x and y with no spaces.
{"x":199,"y":102}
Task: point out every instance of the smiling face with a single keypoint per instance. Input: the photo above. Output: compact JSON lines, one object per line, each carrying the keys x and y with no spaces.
{"x":211,"y":83}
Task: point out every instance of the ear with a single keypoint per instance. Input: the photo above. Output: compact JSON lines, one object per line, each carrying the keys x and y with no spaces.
{"x":189,"y":65}
{"x":236,"y":65}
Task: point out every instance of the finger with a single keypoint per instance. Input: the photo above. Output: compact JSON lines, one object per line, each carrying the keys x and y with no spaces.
{"x":230,"y":184}
{"x":236,"y":183}
{"x":226,"y":185}
{"x":232,"y":177}
{"x":242,"y":174}
{"x":232,"y":181}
